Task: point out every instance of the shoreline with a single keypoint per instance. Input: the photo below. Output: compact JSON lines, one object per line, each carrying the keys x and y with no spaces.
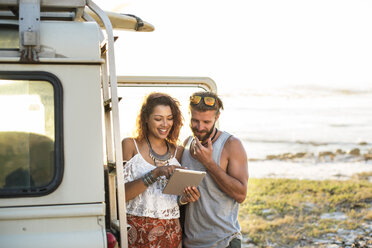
{"x":307,"y":170}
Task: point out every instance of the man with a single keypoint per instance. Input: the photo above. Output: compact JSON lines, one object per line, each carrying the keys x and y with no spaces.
{"x":212,"y":221}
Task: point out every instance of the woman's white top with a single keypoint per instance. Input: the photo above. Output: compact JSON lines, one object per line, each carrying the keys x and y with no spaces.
{"x":152,"y":202}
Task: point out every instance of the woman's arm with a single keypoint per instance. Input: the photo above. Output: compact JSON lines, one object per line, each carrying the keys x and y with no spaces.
{"x":136,"y":187}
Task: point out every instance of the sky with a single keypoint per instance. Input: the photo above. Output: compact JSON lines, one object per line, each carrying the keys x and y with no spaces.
{"x":243,"y":44}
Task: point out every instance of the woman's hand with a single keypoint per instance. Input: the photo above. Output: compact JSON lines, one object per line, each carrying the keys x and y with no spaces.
{"x":190,"y":194}
{"x":165,"y":170}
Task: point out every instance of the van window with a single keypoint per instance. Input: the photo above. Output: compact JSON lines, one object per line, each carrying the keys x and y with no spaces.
{"x":9,"y":36}
{"x":30,"y":133}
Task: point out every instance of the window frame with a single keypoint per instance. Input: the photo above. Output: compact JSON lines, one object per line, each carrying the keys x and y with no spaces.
{"x":58,"y":133}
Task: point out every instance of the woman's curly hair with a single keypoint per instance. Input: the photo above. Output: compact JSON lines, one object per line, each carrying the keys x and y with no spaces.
{"x":151,"y":101}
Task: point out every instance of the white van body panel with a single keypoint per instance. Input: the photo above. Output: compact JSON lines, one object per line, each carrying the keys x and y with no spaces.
{"x":74,"y":214}
{"x":83,"y":180}
{"x":53,"y":226}
{"x":71,"y":39}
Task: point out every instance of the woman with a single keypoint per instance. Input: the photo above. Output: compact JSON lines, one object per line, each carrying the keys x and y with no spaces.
{"x":152,"y":215}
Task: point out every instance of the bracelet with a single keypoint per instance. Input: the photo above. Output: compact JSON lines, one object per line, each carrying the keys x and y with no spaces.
{"x":148,"y":179}
{"x":180,"y":201}
{"x":144,"y":180}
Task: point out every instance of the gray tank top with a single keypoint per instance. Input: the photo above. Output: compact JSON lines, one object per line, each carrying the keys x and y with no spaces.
{"x":212,"y":221}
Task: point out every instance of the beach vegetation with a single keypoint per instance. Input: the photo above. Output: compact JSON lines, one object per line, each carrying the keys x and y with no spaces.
{"x":286,"y":212}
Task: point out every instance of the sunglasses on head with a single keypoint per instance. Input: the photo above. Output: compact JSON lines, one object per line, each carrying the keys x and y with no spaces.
{"x":208,"y":100}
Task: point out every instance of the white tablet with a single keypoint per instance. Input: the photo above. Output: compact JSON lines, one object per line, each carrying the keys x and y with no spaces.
{"x":181,"y":179}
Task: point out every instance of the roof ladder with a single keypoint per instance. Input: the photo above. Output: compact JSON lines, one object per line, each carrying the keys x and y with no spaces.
{"x":29,"y":30}
{"x":112,"y":129}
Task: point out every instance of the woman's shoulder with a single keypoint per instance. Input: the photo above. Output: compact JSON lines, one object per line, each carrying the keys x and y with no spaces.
{"x":128,"y":142}
{"x":128,"y":147}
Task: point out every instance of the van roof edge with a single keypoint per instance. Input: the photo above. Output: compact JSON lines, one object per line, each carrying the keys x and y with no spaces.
{"x":73,"y":10}
{"x":49,"y":3}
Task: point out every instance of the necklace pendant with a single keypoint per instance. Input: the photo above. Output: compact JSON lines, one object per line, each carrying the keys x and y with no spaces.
{"x":162,"y":163}
{"x":159,"y":158}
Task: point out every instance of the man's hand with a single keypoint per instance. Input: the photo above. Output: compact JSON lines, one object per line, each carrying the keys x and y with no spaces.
{"x":203,"y":153}
{"x":231,"y":175}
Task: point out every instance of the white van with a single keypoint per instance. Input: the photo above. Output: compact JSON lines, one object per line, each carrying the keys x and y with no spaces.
{"x":60,"y":138}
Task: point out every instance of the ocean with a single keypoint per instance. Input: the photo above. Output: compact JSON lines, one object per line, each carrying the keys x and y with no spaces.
{"x":307,"y":132}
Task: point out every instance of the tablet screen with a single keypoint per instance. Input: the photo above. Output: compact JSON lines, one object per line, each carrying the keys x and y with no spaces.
{"x":181,"y":179}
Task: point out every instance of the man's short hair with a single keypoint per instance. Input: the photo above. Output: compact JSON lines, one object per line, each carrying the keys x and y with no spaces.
{"x":202,"y":106}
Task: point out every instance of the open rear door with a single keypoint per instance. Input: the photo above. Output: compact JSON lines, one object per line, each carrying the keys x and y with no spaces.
{"x":131,"y":91}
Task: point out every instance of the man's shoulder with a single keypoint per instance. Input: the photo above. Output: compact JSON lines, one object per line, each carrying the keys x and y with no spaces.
{"x":230,"y":137}
{"x":186,"y":141}
{"x":232,"y":142}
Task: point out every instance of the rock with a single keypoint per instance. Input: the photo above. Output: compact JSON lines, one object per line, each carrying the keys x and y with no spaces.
{"x":299,"y":155}
{"x":286,"y":156}
{"x":309,"y":206}
{"x":247,"y":239}
{"x":355,"y":152}
{"x":267,"y":211}
{"x":271,"y":157}
{"x":362,"y":241}
{"x":321,"y":241}
{"x":367,"y":156}
{"x":270,"y":217}
{"x":248,"y":245}
{"x":340,"y":151}
{"x":326,"y":153}
{"x":333,"y":246}
{"x":334,"y":216}
{"x":254,"y":159}
{"x":326,"y":156}
{"x":363,"y":143}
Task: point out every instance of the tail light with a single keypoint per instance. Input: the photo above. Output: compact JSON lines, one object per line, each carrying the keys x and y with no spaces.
{"x":111,"y":240}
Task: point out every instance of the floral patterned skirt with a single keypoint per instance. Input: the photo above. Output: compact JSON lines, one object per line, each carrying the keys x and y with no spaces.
{"x":146,"y":232}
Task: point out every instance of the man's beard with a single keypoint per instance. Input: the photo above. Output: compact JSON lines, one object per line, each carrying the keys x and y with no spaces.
{"x":208,"y":134}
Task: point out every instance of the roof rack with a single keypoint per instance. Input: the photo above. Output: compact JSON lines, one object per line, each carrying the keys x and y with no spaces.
{"x":28,"y":14}
{"x":73,"y":10}
{"x":49,"y":9}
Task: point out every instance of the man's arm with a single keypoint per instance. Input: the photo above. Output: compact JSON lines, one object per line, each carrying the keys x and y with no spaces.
{"x":232,"y":174}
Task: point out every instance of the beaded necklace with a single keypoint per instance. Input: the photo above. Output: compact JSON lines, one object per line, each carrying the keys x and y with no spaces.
{"x":163,"y":159}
